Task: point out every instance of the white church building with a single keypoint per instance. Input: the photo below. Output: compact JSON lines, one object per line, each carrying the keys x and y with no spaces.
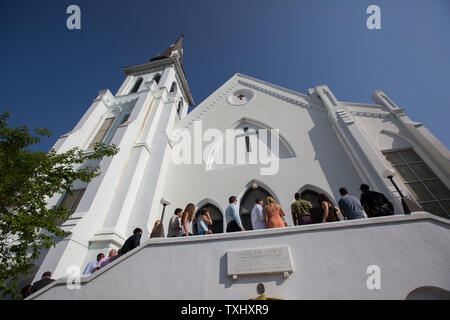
{"x":316,"y":144}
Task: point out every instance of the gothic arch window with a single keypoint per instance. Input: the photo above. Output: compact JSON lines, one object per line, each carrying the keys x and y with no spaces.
{"x":316,"y":211}
{"x":311,"y":193}
{"x":253,"y":138}
{"x":157,"y":77}
{"x":216,"y":217}
{"x":248,"y":202}
{"x":137,"y":85}
{"x":173,"y":88}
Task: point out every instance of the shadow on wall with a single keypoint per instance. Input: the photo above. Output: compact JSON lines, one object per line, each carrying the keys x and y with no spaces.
{"x":428,"y":293}
{"x":331,"y":156}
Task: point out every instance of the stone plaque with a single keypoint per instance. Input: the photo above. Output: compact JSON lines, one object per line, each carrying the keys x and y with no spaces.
{"x":259,"y":261}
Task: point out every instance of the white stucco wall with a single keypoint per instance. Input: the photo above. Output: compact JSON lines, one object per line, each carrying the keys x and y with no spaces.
{"x":319,"y":160}
{"x":330,"y":261}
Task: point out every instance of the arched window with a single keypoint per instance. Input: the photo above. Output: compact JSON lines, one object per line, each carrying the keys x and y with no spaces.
{"x":137,"y":85}
{"x":248,"y":202}
{"x":157,"y":77}
{"x":216,"y":217}
{"x":173,"y":88}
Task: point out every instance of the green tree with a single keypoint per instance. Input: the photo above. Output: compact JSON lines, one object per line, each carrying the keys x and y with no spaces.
{"x":27,"y":180}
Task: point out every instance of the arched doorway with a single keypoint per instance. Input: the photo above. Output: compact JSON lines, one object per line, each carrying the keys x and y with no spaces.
{"x":316,"y":211}
{"x":216,"y":216}
{"x":428,"y":293}
{"x":248,"y":202}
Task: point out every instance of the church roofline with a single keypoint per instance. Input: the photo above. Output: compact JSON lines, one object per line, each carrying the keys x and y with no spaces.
{"x":298,"y":94}
{"x":161,"y":63}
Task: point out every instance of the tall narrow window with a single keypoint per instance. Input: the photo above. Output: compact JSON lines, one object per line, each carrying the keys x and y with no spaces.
{"x":247,"y":139}
{"x":101,"y":134}
{"x":157,"y":77}
{"x":71,"y":201}
{"x":125,"y":118}
{"x":173,"y":88}
{"x":421,"y":181}
{"x":179,"y":107}
{"x":137,"y":85}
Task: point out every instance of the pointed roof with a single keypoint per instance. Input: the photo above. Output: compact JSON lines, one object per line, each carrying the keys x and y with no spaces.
{"x":177,"y":46}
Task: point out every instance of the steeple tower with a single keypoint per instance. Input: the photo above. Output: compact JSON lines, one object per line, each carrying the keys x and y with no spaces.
{"x":175,"y":49}
{"x":139,"y":119}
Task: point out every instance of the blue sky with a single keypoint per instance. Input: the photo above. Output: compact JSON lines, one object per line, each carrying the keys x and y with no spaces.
{"x":50,"y":75}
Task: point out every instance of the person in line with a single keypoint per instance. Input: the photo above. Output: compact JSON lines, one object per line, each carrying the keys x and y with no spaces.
{"x":273,"y":214}
{"x":175,"y":229}
{"x":203,"y":222}
{"x":25,"y":292}
{"x":92,"y":266}
{"x":157,"y":231}
{"x":111,"y":256}
{"x":232,"y":217}
{"x":300,"y":210}
{"x":186,"y":220}
{"x":350,"y":206}
{"x":329,"y":211}
{"x":375,"y":203}
{"x":257,"y":216}
{"x":46,"y":280}
{"x":132,"y":242}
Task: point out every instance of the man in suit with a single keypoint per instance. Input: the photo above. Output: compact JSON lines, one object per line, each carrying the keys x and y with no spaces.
{"x":46,"y":280}
{"x":132,"y":242}
{"x":375,"y":203}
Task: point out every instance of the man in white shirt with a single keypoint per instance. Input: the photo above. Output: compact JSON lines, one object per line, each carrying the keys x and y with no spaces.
{"x":257,"y":216}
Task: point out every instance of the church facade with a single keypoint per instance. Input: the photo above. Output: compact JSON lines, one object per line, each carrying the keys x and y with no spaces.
{"x":312,"y":143}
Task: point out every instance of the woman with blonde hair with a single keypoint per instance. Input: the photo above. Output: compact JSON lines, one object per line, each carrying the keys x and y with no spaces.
{"x":157,"y":230}
{"x":273,"y":214}
{"x":187,"y":219}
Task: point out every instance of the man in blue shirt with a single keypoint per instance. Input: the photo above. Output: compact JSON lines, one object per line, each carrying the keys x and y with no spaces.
{"x":232,"y":216}
{"x":92,"y":266}
{"x":350,"y":206}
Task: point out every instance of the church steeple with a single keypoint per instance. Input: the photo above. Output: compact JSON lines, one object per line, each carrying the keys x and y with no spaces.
{"x":177,"y":46}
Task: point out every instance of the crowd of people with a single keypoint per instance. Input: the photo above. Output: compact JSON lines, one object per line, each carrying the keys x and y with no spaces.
{"x":370,"y":204}
{"x":271,"y":215}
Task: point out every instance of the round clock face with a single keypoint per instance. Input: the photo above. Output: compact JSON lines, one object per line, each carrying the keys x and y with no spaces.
{"x":240,"y":97}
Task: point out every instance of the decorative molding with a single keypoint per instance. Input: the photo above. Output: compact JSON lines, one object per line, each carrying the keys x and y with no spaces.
{"x":65,"y":135}
{"x":371,"y":114}
{"x":105,"y":96}
{"x":143,"y":144}
{"x":279,"y":96}
{"x":344,"y":116}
